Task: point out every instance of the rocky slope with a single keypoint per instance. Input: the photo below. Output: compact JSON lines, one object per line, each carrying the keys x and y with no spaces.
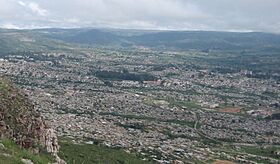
{"x":22,"y":124}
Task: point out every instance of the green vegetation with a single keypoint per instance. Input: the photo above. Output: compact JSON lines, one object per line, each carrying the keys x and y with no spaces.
{"x":270,"y":94}
{"x":74,"y":153}
{"x":172,"y":103}
{"x":171,"y":74}
{"x":275,"y":116}
{"x":261,"y":151}
{"x":4,"y":87}
{"x":186,"y":104}
{"x":12,"y":154}
{"x":149,"y":102}
{"x":209,"y":141}
{"x":259,"y":160}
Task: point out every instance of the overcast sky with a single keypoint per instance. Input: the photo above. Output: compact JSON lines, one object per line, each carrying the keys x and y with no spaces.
{"x":220,"y":15}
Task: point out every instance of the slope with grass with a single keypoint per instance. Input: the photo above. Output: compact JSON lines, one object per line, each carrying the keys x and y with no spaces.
{"x":11,"y":153}
{"x":76,"y":153}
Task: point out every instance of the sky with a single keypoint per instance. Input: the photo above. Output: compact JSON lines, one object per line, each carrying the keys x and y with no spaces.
{"x":210,"y":15}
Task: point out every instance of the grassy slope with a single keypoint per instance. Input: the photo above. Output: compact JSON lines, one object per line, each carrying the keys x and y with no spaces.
{"x":90,"y":153}
{"x":70,"y":152}
{"x":12,"y":154}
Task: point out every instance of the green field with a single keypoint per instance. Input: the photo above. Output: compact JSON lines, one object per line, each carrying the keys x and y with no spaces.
{"x":81,"y":153}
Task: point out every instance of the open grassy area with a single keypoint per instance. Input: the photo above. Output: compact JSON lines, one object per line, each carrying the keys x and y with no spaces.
{"x":81,"y":153}
{"x":3,"y":87}
{"x":185,"y":104}
{"x":172,"y":103}
{"x":261,"y":151}
{"x":13,"y":154}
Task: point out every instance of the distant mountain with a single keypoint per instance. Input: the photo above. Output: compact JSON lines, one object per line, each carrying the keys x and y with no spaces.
{"x":207,"y":40}
{"x":27,"y":40}
{"x":179,"y":40}
{"x":52,"y":39}
{"x":92,"y":36}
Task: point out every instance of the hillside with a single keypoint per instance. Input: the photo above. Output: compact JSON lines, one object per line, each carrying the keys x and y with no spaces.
{"x":27,"y":40}
{"x":83,"y":152}
{"x":64,"y":39}
{"x":22,"y":125}
{"x":171,"y":40}
{"x":11,"y":153}
{"x":204,"y":40}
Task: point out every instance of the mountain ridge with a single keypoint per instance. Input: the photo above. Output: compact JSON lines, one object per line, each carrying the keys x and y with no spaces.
{"x":57,"y":39}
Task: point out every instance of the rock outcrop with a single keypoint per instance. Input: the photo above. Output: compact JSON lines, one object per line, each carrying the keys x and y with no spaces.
{"x":20,"y":122}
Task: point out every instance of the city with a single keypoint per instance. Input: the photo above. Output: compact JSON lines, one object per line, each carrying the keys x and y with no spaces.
{"x":182,"y":113}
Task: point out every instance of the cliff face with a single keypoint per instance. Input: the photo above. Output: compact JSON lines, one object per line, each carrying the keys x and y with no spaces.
{"x":21,"y":123}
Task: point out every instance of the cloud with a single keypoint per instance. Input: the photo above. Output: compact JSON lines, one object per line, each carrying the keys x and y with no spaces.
{"x":229,"y":15}
{"x":37,"y":9}
{"x":34,"y":7}
{"x":21,"y":3}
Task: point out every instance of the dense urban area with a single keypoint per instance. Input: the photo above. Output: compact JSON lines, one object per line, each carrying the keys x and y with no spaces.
{"x":165,"y":106}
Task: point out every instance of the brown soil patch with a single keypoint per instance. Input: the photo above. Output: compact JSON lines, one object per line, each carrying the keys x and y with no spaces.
{"x":222,"y":162}
{"x":230,"y":110}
